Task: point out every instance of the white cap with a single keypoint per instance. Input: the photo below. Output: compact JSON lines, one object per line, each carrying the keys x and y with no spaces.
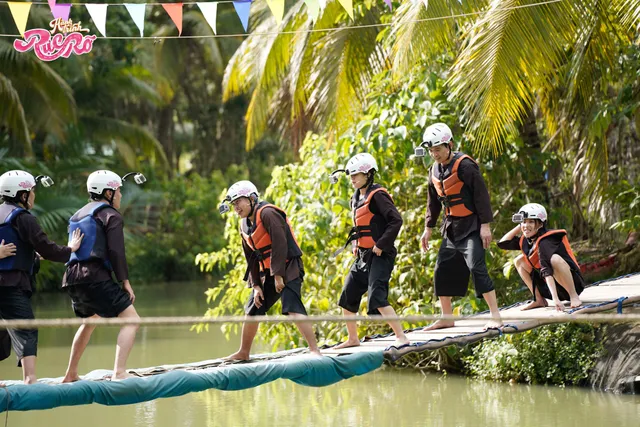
{"x":241,"y":189}
{"x":437,"y":134}
{"x":532,"y":211}
{"x":361,"y":163}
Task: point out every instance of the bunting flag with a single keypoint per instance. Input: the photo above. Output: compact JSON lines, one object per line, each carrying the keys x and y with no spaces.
{"x":277,"y":8}
{"x":137,"y":10}
{"x":20,"y":13}
{"x":388,"y":2}
{"x":210,"y":12}
{"x":60,"y":10}
{"x":175,"y":12}
{"x":313,"y":9}
{"x":348,"y":6}
{"x":242,"y":9}
{"x":98,"y":13}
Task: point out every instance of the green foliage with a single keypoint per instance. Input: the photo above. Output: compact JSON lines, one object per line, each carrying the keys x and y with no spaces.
{"x":629,"y":201}
{"x":558,"y":354}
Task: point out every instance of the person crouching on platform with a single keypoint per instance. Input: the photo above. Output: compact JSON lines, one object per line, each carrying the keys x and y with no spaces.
{"x":546,"y":258}
{"x":19,"y":228}
{"x":274,"y":263}
{"x":377,"y":224}
{"x":88,"y":279}
{"x":456,"y":184}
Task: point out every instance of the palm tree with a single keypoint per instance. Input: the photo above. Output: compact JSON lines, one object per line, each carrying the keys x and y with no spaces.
{"x":33,"y":96}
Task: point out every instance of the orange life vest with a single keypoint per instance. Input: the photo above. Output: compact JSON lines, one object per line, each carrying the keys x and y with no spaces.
{"x":260,"y":241}
{"x":362,"y":217}
{"x":452,"y":193}
{"x":534,"y":258}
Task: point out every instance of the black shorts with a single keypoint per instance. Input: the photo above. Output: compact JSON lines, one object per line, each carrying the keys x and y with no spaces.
{"x":291,"y":298}
{"x":371,"y":274}
{"x":15,"y":303}
{"x":456,"y":262}
{"x":541,"y":284}
{"x":106,"y":299}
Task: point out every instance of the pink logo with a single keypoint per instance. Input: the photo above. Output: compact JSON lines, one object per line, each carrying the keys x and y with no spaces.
{"x":244,"y":191}
{"x":113,"y":184}
{"x":365,"y":167}
{"x":26,"y":185}
{"x":445,"y":138}
{"x":64,"y":39}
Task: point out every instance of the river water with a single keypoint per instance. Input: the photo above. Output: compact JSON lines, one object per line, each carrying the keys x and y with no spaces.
{"x":387,"y":397}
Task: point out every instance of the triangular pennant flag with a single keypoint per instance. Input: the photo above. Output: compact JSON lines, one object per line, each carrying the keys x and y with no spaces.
{"x":61,"y":11}
{"x":210,"y":12}
{"x":277,"y":8}
{"x":348,"y":6}
{"x":137,"y":10}
{"x":98,"y":13}
{"x":242,"y":9}
{"x":175,"y":12}
{"x":388,"y":2}
{"x":20,"y":13}
{"x":313,"y":9}
{"x":51,"y":3}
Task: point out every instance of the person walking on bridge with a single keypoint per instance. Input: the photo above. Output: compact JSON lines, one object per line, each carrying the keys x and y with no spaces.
{"x":20,"y":229}
{"x":377,"y":223}
{"x":88,"y":279}
{"x":274,"y":263}
{"x":457,"y":187}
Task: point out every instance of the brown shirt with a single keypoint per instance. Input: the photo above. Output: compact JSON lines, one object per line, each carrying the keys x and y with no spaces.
{"x":457,"y":228}
{"x":31,"y":233}
{"x":95,"y":271}
{"x":277,"y":228}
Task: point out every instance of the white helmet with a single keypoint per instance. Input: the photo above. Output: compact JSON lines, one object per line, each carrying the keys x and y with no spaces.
{"x":361,"y":163}
{"x":236,"y":191}
{"x":102,"y":180}
{"x":15,"y":181}
{"x":437,"y":134}
{"x":531,"y":211}
{"x":241,"y":189}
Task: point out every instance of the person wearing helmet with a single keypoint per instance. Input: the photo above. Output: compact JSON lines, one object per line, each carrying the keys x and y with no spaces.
{"x":457,"y":187}
{"x":88,"y":278}
{"x":546,"y":259}
{"x":377,"y":223}
{"x":274,"y":263}
{"x":21,"y":229}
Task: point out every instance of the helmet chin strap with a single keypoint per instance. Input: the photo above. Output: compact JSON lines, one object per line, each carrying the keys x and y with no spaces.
{"x":369,"y":181}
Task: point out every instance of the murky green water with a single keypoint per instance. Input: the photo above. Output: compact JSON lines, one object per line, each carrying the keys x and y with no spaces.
{"x":387,"y":397}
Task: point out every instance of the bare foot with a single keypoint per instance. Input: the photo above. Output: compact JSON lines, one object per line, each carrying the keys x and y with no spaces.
{"x":238,"y":355}
{"x":440,"y":324}
{"x":541,"y":302}
{"x":399,"y":342}
{"x":2,"y":385}
{"x":492,"y":324}
{"x":69,"y":378}
{"x":575,"y":302}
{"x":316,"y":352}
{"x":121,"y":376}
{"x":348,"y":343}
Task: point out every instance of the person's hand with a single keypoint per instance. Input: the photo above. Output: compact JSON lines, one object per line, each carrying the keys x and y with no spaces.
{"x":76,"y":240}
{"x":7,"y":250}
{"x":279,"y":283}
{"x":376,"y":250}
{"x":258,"y":296}
{"x":485,"y":235}
{"x":558,"y":304}
{"x":128,"y":289}
{"x":424,"y":239}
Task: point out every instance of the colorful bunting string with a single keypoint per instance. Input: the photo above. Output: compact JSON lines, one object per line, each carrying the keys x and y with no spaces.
{"x":98,"y":12}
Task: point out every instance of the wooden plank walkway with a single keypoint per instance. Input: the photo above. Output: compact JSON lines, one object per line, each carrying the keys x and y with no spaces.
{"x":600,"y":297}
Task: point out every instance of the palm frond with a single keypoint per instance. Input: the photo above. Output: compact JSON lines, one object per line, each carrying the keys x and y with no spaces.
{"x":509,"y":54}
{"x":12,"y":115}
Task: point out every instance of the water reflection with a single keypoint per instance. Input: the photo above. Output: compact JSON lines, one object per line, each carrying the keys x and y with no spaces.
{"x":387,"y":397}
